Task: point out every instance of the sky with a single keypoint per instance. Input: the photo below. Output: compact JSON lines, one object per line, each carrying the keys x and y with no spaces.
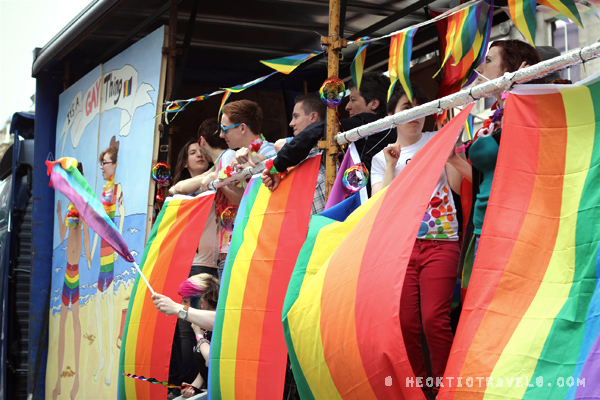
{"x":24,"y":25}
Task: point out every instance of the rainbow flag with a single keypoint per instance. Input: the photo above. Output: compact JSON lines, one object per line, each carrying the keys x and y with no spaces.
{"x":468,"y":133}
{"x":459,"y":74}
{"x":358,"y":63}
{"x":66,"y":178}
{"x":344,"y":326}
{"x":537,"y":271}
{"x":127,"y":86}
{"x":326,"y":231}
{"x":567,"y":8}
{"x":522,"y":13}
{"x":401,"y":52}
{"x":167,"y":259}
{"x":248,"y":352}
{"x":339,"y":191}
{"x":285,"y":65}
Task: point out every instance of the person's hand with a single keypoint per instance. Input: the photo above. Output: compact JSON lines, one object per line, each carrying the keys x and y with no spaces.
{"x":165,"y":305}
{"x":271,"y":181}
{"x":243,"y":159}
{"x":392,"y":154}
{"x":188,"y":390}
{"x":523,"y":65}
{"x":279,"y":144}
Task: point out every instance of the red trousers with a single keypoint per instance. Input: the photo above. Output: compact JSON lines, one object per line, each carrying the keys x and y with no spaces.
{"x":426,"y":301}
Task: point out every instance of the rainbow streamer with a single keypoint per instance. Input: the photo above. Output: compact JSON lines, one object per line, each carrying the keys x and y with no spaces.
{"x":223,"y":101}
{"x":248,"y":352}
{"x":522,"y":13}
{"x":239,"y":88}
{"x":168,"y":255}
{"x":537,"y":271}
{"x":285,"y":65}
{"x":401,"y":52}
{"x":358,"y":63}
{"x":153,"y":380}
{"x":345,"y":339}
{"x":65,"y":178}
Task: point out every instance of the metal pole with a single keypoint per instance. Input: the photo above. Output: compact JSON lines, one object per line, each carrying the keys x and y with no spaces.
{"x":466,"y":96}
{"x":334,"y":44}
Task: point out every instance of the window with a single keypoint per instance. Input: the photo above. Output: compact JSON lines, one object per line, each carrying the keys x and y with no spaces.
{"x":565,"y":37}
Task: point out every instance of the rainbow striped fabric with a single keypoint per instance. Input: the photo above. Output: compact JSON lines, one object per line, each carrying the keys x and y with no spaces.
{"x":248,"y":352}
{"x":522,"y":13}
{"x":285,"y":65}
{"x":531,"y":320}
{"x":460,"y":73}
{"x":66,"y":178}
{"x":358,"y":63}
{"x":345,"y":339}
{"x":167,"y":259}
{"x":399,"y":61}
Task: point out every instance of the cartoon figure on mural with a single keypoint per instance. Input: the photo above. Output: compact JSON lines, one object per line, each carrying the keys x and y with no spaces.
{"x":112,"y":197}
{"x":70,"y":292}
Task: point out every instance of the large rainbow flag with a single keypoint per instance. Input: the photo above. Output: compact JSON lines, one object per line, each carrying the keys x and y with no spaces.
{"x":344,"y":326}
{"x":248,"y":352}
{"x":167,"y":259}
{"x":530,"y":324}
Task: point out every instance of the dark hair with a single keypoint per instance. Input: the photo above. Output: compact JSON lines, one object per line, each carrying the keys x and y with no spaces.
{"x":209,"y":129}
{"x":247,"y":112}
{"x":374,"y":85}
{"x":80,"y":167}
{"x":399,"y":91}
{"x":312,"y":102}
{"x":181,"y":171}
{"x":514,"y":52}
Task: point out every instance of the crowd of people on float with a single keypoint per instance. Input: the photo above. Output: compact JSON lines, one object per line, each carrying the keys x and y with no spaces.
{"x":437,"y":258}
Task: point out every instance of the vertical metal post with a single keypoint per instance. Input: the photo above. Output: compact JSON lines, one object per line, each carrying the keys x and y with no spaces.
{"x":334,"y":44}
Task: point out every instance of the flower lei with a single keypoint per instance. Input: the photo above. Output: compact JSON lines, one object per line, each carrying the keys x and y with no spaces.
{"x":256,"y":144}
{"x":226,"y":172}
{"x":72,"y":217}
{"x":108,"y":199}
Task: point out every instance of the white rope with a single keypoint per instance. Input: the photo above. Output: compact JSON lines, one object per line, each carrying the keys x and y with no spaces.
{"x":466,"y":96}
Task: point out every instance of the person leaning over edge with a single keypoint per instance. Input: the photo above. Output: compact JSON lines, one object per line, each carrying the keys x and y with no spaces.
{"x":364,"y":106}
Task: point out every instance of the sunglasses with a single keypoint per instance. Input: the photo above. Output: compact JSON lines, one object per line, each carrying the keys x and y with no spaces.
{"x":226,"y":128}
{"x":103,"y":163}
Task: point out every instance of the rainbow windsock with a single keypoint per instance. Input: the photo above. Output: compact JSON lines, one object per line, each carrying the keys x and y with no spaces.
{"x":248,"y":352}
{"x":285,"y":65}
{"x":167,"y":259}
{"x":401,"y":52}
{"x":530,"y":322}
{"x":66,"y":178}
{"x":358,"y":63}
{"x":344,"y":326}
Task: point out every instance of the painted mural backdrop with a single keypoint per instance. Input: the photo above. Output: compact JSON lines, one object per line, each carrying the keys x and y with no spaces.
{"x":113,"y":106}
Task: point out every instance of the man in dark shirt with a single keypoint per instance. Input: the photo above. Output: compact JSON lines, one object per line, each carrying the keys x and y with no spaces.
{"x":364,"y":106}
